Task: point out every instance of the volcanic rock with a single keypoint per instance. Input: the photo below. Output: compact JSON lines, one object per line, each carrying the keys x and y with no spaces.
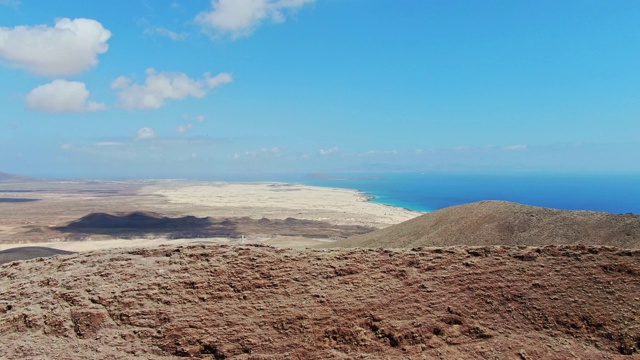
{"x":257,"y":302}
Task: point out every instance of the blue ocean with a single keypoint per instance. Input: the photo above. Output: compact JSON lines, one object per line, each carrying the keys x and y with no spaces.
{"x":614,"y":193}
{"x":429,"y":192}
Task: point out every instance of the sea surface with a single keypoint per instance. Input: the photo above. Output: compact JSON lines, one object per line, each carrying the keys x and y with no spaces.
{"x":429,"y":192}
{"x":614,"y":193}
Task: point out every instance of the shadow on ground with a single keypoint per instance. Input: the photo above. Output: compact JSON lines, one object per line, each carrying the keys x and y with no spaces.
{"x":17,"y":200}
{"x":139,"y":224}
{"x":29,"y":252}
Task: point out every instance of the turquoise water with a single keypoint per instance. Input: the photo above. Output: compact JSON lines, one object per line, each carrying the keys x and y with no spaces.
{"x":429,"y":192}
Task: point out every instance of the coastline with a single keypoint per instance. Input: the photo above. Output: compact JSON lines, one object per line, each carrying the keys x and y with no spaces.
{"x":279,"y":200}
{"x":61,"y":203}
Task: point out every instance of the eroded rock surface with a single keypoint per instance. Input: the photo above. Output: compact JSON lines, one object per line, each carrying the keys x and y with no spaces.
{"x":256,"y":302}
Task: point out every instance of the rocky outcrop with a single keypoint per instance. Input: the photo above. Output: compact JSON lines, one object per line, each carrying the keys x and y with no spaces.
{"x":256,"y":302}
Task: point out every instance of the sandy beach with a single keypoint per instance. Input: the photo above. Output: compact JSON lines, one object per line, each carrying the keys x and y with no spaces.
{"x":280,"y":201}
{"x":56,"y":204}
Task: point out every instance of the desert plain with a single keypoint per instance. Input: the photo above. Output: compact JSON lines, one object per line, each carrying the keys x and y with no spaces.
{"x":35,"y":212}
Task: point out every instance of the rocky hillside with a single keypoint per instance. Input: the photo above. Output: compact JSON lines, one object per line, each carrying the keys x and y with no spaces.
{"x":505,"y":223}
{"x":249,"y":302}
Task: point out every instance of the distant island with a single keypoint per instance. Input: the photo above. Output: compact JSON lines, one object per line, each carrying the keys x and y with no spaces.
{"x":14,"y":177}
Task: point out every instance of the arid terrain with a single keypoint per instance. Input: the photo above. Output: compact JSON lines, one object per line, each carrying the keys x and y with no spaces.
{"x":63,"y":211}
{"x":504,"y":223}
{"x":248,"y":302}
{"x":153,"y":270}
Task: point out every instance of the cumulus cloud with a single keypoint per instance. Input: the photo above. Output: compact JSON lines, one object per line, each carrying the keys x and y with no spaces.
{"x":70,"y":47}
{"x":330,"y":151}
{"x":162,"y":86}
{"x":237,"y":18}
{"x":61,"y":96}
{"x":145,"y":133}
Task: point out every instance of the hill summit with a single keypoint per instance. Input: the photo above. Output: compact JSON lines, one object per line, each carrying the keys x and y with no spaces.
{"x":505,"y":223}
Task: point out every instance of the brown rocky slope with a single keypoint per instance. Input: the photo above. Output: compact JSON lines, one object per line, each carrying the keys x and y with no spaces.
{"x":256,"y":302}
{"x":505,"y":223}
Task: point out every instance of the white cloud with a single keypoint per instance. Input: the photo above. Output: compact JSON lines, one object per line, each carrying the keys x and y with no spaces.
{"x":61,"y":96}
{"x":199,"y":118}
{"x":70,"y":47}
{"x":163,"y":86}
{"x":145,"y":133}
{"x":184,"y":128}
{"x":160,"y":31}
{"x":121,"y":82}
{"x":331,"y":151}
{"x":237,"y":18}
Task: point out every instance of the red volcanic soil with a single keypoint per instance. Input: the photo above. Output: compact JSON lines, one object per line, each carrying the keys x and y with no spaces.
{"x":256,"y":302}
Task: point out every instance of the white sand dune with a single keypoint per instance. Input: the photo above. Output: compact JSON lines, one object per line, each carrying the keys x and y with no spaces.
{"x":280,"y":200}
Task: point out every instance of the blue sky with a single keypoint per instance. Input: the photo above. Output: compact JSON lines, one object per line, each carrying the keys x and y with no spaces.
{"x":153,"y":88}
